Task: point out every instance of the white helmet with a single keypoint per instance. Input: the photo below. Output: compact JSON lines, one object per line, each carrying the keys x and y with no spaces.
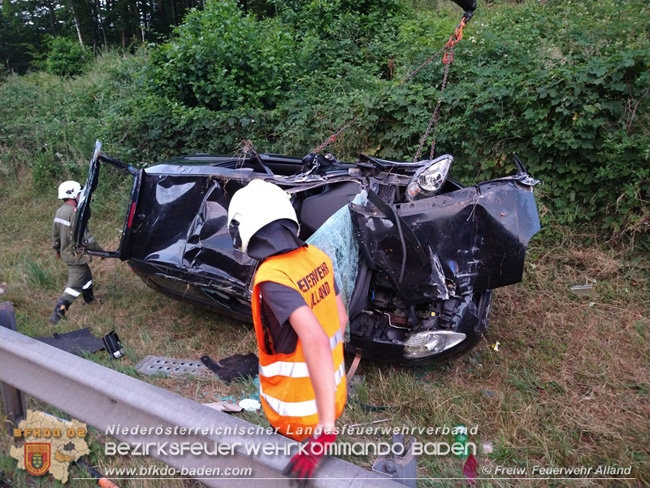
{"x":254,"y":206}
{"x":69,"y":189}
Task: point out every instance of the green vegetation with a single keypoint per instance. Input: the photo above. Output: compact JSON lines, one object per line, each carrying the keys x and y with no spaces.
{"x":66,"y":57}
{"x":565,"y":86}
{"x":26,"y":26}
{"x":562,"y":83}
{"x":224,"y":59}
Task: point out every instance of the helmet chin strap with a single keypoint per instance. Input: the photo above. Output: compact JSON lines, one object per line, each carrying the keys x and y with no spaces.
{"x":233,"y":229}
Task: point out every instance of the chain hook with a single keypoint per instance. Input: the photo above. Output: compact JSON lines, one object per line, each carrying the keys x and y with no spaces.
{"x":448,"y":57}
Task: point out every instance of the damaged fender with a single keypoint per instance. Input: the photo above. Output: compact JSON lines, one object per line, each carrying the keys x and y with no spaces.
{"x":475,"y":239}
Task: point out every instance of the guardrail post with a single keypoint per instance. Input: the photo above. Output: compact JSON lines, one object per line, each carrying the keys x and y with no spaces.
{"x":13,"y":400}
{"x":401,"y":467}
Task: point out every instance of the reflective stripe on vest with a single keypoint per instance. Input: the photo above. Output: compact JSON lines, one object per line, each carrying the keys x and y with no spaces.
{"x":291,"y":409}
{"x":61,"y":221}
{"x":336,"y":339}
{"x":283,"y":368}
{"x":297,"y":369}
{"x":300,"y":409}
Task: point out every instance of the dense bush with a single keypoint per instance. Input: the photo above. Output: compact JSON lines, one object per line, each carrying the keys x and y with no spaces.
{"x":224,"y":59}
{"x":66,"y":57}
{"x":563,"y":84}
{"x":50,"y":123}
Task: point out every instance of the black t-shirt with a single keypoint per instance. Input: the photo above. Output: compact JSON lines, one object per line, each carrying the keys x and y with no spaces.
{"x":278,"y":303}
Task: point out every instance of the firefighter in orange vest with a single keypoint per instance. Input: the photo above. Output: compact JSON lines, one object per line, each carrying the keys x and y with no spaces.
{"x":299,"y":320}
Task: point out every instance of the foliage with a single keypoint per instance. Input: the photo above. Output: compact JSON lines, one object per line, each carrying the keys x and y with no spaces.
{"x":223,"y":58}
{"x":66,"y":57}
{"x":25,"y":24}
{"x":17,"y":40}
{"x":562,"y":84}
{"x":566,"y":88}
{"x":337,"y":34}
{"x":49,"y":123}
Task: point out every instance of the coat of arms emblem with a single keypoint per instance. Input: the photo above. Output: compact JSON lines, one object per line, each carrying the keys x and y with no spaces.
{"x":37,"y":458}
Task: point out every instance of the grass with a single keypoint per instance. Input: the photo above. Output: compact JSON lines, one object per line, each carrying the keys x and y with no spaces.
{"x":567,"y":387}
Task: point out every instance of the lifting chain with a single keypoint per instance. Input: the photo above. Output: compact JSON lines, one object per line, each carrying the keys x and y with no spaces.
{"x":334,"y":136}
{"x":447,"y":59}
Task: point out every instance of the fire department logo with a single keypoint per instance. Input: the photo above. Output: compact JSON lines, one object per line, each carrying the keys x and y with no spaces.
{"x":37,"y":457}
{"x":44,"y":443}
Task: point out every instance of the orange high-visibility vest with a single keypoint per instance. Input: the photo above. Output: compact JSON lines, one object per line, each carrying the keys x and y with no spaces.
{"x":286,"y":391}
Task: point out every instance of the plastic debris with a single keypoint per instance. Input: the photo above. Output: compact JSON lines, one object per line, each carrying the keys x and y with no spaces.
{"x":113,"y":345}
{"x":461,"y":438}
{"x":487,"y":447}
{"x":496,"y":345}
{"x":7,"y":315}
{"x":78,"y":342}
{"x":583,"y":290}
{"x":233,"y":367}
{"x":249,"y":404}
{"x":470,"y":468}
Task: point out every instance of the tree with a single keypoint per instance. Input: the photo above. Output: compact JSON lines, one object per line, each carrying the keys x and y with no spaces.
{"x":99,"y":24}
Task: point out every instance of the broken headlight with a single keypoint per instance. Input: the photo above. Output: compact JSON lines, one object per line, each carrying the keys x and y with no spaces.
{"x":424,"y":344}
{"x":428,"y":180}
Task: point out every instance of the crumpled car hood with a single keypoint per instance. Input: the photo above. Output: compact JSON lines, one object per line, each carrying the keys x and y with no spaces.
{"x":470,"y":240}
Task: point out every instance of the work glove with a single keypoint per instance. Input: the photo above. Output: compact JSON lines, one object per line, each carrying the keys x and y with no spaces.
{"x":302,"y":465}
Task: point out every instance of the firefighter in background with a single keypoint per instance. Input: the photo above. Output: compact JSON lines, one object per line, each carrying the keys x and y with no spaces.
{"x":80,"y":278}
{"x":299,"y":320}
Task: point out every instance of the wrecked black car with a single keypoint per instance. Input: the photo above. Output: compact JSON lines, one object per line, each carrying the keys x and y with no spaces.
{"x":416,"y":254}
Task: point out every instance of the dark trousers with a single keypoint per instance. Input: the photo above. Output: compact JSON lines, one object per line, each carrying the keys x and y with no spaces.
{"x":80,"y":282}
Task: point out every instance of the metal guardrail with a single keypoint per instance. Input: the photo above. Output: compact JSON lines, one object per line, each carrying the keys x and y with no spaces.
{"x":13,"y":400}
{"x":101,"y":397}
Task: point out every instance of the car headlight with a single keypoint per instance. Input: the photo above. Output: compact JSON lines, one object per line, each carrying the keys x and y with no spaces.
{"x":428,"y":180}
{"x":424,"y":344}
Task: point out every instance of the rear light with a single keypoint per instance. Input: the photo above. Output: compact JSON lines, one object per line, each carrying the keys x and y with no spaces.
{"x":131,"y":214}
